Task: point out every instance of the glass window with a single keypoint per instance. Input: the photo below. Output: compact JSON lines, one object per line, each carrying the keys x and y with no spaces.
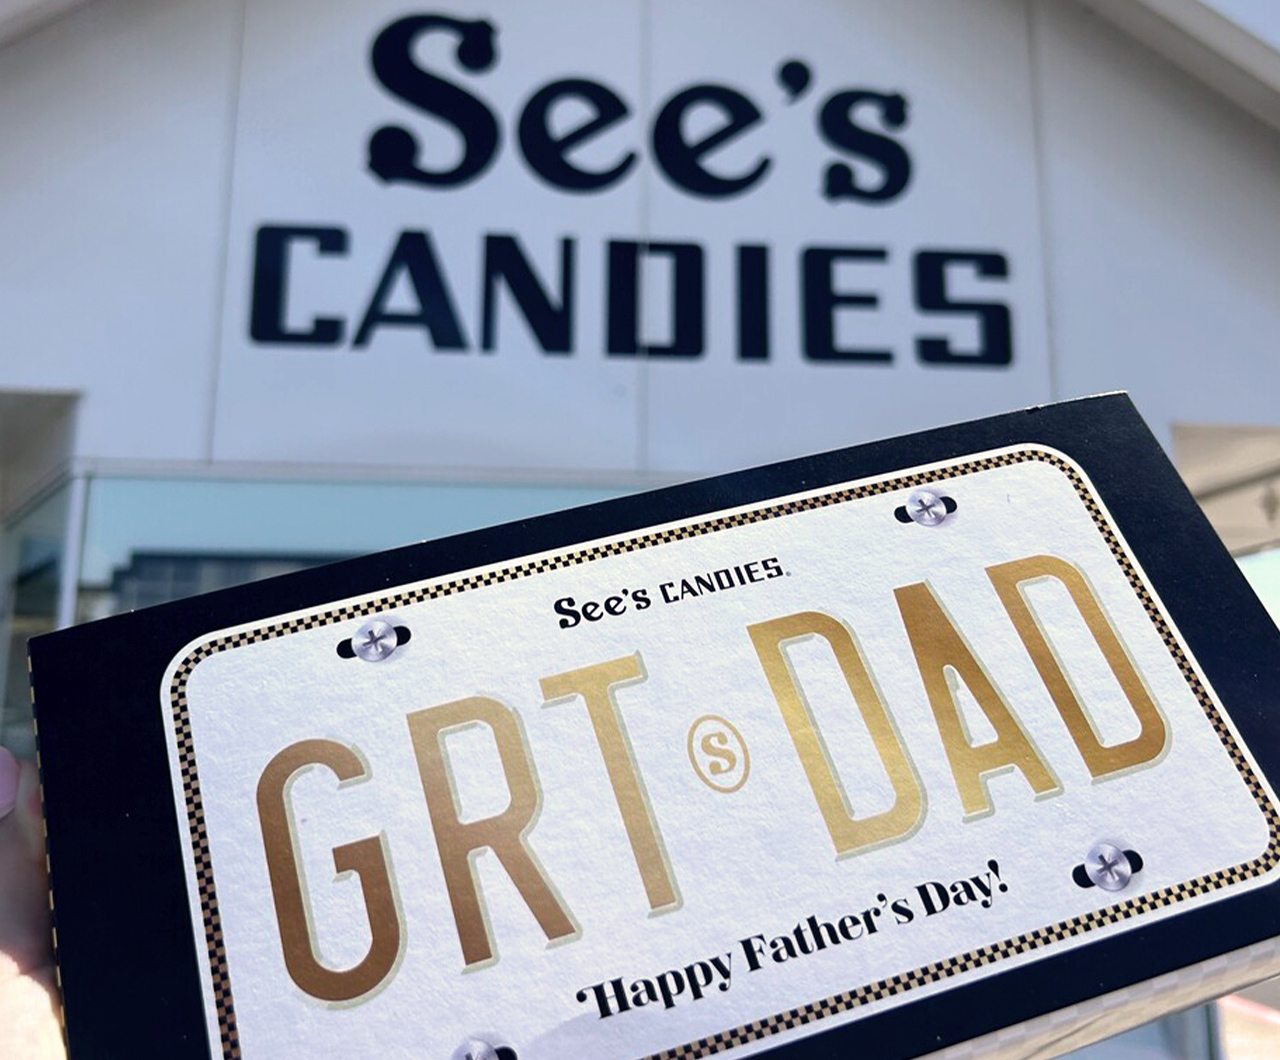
{"x":150,"y":540}
{"x":32,"y":549}
{"x":1189,"y":1035}
{"x":1263,"y":571}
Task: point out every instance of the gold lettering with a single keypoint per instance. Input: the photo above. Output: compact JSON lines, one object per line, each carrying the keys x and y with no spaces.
{"x":505,"y":833}
{"x":1150,"y":743}
{"x":943,"y":656}
{"x":366,"y":858}
{"x":847,"y":833}
{"x":596,"y":685}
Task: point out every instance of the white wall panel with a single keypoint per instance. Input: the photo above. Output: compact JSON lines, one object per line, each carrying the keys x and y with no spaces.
{"x":309,"y":107}
{"x":112,"y":162}
{"x":314,"y":101}
{"x":1163,"y":205}
{"x":964,"y":73}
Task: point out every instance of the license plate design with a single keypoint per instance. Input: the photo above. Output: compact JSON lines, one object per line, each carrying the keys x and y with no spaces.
{"x":706,"y":788}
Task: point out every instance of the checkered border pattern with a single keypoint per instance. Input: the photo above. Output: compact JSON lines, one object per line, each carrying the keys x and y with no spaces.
{"x":848,"y":1000}
{"x":48,"y":864}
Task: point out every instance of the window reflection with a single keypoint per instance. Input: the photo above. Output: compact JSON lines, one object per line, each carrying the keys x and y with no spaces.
{"x":31,"y":563}
{"x":149,"y":541}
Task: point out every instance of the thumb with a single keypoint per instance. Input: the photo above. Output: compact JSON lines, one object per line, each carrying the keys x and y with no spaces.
{"x":24,"y":896}
{"x":29,"y":1025}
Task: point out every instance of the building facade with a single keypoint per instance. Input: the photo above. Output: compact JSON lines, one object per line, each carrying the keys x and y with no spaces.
{"x":289,"y":281}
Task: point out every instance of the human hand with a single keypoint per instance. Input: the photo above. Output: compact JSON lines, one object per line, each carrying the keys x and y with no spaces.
{"x":29,"y":1024}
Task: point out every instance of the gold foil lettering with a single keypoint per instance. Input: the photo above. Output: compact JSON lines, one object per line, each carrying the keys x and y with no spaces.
{"x":943,"y":656}
{"x":367,"y":858}
{"x":1150,"y":743}
{"x":505,"y":833}
{"x":596,"y":684}
{"x":847,"y":832}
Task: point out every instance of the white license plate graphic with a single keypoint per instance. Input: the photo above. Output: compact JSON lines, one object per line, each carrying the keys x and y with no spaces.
{"x":704,"y":788}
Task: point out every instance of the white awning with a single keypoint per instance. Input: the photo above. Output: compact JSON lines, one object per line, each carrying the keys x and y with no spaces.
{"x":1231,"y":45}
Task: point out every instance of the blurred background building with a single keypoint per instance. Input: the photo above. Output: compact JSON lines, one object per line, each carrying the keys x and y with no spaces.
{"x":284,"y":281}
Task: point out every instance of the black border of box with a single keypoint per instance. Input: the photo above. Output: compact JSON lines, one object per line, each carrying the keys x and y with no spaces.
{"x":129,"y":963}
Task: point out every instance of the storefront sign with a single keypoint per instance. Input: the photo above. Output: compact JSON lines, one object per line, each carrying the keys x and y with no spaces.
{"x":553,"y":220}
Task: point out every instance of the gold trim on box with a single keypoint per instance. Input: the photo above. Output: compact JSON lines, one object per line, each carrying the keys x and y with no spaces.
{"x":817,"y":1010}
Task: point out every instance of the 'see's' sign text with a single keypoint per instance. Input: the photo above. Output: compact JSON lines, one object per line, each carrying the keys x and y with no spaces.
{"x":418,"y":287}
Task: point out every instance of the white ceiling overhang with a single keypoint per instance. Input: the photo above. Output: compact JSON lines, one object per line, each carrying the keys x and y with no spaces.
{"x":1231,"y":45}
{"x":22,"y":16}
